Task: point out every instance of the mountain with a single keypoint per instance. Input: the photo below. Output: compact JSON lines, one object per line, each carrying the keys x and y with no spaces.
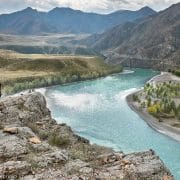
{"x":27,"y":21}
{"x":151,"y":42}
{"x":64,"y":20}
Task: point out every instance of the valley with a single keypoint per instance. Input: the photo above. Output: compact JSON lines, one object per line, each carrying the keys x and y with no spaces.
{"x":85,"y":95}
{"x":138,"y":42}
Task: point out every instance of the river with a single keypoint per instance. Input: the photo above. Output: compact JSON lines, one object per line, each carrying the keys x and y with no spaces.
{"x":98,"y":111}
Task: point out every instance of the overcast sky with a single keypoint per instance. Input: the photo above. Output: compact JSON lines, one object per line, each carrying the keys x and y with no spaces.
{"x":99,"y":6}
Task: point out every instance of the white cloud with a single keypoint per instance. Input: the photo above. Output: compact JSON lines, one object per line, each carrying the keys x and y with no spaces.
{"x":101,"y":6}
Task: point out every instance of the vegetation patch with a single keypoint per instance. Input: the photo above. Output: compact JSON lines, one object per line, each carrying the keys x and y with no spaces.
{"x":175,"y":72}
{"x":57,"y":140}
{"x":161,"y":100}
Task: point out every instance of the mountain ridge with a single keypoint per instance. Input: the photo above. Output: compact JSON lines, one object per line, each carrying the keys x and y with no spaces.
{"x":65,"y":20}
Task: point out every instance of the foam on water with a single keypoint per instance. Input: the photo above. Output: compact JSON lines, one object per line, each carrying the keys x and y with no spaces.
{"x":127,"y":72}
{"x":113,"y":77}
{"x":123,"y":94}
{"x":80,"y":102}
{"x":41,"y":90}
{"x":109,"y":78}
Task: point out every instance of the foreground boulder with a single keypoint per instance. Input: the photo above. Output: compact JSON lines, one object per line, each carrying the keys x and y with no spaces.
{"x":34,"y":146}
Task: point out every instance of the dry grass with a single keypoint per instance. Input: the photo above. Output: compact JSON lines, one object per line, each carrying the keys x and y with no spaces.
{"x":52,"y":56}
{"x":8,"y":54}
{"x":23,"y":71}
{"x":10,"y":75}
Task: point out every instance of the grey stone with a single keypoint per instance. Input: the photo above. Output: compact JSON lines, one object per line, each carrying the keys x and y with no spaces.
{"x":57,"y":157}
{"x":11,"y":146}
{"x":14,"y":169}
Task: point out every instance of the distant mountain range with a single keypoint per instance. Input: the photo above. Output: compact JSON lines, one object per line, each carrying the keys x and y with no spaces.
{"x":151,"y":42}
{"x":65,"y":20}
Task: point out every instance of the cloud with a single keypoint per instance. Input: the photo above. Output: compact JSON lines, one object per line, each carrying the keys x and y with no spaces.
{"x":136,"y":4}
{"x":100,"y":6}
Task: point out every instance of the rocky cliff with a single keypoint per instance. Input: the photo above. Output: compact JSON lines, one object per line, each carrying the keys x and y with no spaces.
{"x":34,"y":146}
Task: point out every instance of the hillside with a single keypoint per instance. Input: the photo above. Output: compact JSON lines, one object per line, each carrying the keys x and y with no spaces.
{"x":65,"y":20}
{"x":25,"y":71}
{"x":152,"y":42}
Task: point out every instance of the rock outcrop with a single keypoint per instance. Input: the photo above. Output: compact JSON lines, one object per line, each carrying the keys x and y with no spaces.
{"x":34,"y":146}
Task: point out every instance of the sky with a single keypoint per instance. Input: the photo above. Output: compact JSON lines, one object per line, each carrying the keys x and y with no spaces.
{"x":98,"y":6}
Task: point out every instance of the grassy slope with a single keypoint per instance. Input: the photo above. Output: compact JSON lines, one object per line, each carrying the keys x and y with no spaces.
{"x":24,"y":71}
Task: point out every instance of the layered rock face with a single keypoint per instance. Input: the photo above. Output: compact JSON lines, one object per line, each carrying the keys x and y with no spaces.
{"x":34,"y":146}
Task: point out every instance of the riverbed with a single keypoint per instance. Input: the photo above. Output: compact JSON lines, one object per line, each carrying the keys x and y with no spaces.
{"x":98,"y":111}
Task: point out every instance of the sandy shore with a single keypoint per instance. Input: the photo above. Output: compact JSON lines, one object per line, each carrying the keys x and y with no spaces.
{"x":164,"y":77}
{"x":161,"y":127}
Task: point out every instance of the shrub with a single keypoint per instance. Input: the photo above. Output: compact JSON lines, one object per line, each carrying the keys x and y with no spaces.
{"x":1,"y":126}
{"x":135,"y":97}
{"x":57,"y":140}
{"x":148,"y":102}
{"x":177,"y":112}
{"x":143,"y":104}
{"x":154,"y":109}
{"x":177,"y":73}
{"x":173,"y":106}
{"x":43,"y":135}
{"x":178,"y":115}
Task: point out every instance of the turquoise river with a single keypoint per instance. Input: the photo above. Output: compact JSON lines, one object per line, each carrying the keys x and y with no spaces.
{"x":98,"y":111}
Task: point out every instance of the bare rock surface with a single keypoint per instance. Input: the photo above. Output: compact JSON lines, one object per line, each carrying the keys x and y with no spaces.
{"x":14,"y":169}
{"x":34,"y":147}
{"x":56,"y":157}
{"x":11,"y":146}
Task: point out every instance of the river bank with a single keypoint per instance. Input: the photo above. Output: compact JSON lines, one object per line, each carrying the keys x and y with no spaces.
{"x":162,"y":127}
{"x":20,"y":72}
